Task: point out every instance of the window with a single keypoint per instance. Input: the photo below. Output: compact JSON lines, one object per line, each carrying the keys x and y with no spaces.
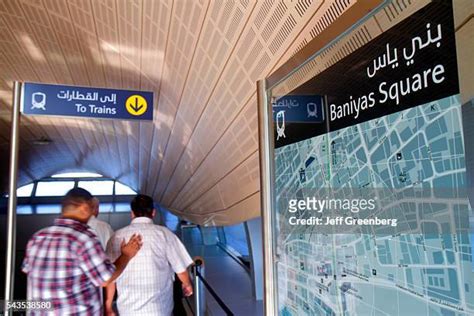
{"x":24,"y":209}
{"x":121,"y":189}
{"x":53,"y":188}
{"x":106,"y":207}
{"x":44,"y":196}
{"x":236,"y":238}
{"x":25,"y":191}
{"x":122,"y":207}
{"x":98,"y":187}
{"x":77,"y":175}
{"x":48,"y":209}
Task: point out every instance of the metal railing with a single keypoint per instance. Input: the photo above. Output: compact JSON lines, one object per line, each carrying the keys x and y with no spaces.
{"x":198,"y":308}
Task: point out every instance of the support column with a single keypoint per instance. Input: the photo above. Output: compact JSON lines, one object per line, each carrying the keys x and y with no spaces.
{"x":11,"y":219}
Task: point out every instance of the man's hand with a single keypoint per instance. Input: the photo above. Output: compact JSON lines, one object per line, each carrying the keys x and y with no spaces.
{"x":128,"y":251}
{"x":131,"y":248}
{"x":187,"y":289}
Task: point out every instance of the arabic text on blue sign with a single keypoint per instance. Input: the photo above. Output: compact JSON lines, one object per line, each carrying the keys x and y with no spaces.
{"x":47,"y":99}
{"x":299,"y":108}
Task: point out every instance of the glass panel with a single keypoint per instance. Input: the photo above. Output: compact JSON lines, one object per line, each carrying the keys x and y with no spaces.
{"x":97,"y":187}
{"x":24,"y":209}
{"x":371,"y":146}
{"x":106,"y":207}
{"x":122,"y":207}
{"x":77,"y":175}
{"x":122,"y":189}
{"x":53,"y":188}
{"x":221,"y":235}
{"x":25,"y":191}
{"x":236,"y":238}
{"x":48,"y":208}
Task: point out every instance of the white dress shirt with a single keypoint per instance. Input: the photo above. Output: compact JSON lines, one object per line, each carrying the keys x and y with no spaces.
{"x":102,"y":229}
{"x":146,"y":285}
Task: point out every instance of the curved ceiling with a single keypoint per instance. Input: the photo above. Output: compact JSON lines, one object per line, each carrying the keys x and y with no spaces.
{"x":199,"y":157}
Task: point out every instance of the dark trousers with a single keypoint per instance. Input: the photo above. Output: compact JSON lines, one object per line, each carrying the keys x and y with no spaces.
{"x":178,"y":309}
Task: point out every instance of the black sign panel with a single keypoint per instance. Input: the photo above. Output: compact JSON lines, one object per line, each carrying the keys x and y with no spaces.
{"x":411,"y":64}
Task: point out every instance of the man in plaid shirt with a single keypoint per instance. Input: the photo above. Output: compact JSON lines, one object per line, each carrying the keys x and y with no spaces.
{"x":65,"y":262}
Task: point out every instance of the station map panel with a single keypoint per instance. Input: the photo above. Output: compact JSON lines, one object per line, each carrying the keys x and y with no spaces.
{"x":363,"y":274}
{"x":374,"y":136}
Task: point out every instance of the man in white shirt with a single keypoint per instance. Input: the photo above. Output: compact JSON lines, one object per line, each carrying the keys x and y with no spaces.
{"x":102,"y":229}
{"x":146,"y":286}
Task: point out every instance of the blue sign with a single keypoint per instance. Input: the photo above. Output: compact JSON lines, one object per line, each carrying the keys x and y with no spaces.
{"x":298,"y":109}
{"x":48,"y":99}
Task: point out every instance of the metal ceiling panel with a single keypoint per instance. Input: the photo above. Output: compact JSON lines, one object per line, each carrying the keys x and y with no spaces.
{"x":201,"y":58}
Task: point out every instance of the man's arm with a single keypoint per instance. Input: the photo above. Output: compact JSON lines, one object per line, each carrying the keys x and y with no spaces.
{"x":128,"y":250}
{"x":179,"y":260}
{"x":186,"y":286}
{"x":25,"y":266}
{"x":109,"y":298}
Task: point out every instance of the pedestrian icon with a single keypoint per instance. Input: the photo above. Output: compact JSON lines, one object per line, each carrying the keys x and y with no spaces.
{"x":38,"y":101}
{"x":136,"y":105}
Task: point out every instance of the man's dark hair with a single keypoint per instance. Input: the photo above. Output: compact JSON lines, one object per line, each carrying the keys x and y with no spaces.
{"x":142,"y":205}
{"x":76,"y":197}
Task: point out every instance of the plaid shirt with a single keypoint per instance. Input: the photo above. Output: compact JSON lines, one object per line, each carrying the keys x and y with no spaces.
{"x":66,"y":265}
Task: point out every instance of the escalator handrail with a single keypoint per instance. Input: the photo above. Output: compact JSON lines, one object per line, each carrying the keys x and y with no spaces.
{"x":212,"y":292}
